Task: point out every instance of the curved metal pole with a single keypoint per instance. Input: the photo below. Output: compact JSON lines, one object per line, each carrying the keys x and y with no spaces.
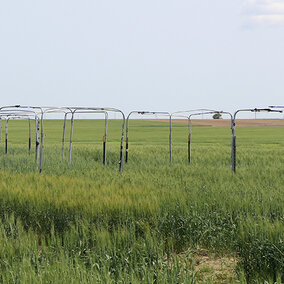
{"x":148,"y":113}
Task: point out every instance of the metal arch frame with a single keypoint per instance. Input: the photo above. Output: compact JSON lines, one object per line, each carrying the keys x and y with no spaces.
{"x":15,"y":117}
{"x":145,"y":113}
{"x":24,"y":113}
{"x":201,"y":111}
{"x":72,"y":127}
{"x":209,"y":112}
{"x":36,"y":118}
{"x":188,"y":112}
{"x":37,"y":113}
{"x":65,"y":111}
{"x":234,"y":147}
{"x":18,"y":114}
{"x":98,"y":109}
{"x":69,"y":110}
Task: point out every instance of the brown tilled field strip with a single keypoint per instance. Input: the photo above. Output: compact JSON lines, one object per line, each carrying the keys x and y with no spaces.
{"x":227,"y":122}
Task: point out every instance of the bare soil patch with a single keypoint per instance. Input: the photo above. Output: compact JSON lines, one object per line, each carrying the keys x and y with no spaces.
{"x":215,"y":269}
{"x":209,"y":267}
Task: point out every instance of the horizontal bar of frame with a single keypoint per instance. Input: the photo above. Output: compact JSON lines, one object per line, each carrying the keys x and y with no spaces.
{"x":256,"y":110}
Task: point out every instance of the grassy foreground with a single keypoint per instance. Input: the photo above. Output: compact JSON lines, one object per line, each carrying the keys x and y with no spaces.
{"x":152,"y":223}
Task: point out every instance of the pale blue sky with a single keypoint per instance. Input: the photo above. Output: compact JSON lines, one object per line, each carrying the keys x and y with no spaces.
{"x":150,"y":54}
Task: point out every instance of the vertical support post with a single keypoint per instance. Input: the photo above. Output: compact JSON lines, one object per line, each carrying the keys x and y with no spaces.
{"x":105,"y":138}
{"x":1,"y":131}
{"x":126,"y":146}
{"x":41,"y":143}
{"x":30,"y":136}
{"x":234,"y":154}
{"x":126,"y":150}
{"x":71,"y":137}
{"x":188,"y":148}
{"x":104,"y":150}
{"x":121,"y":155}
{"x":233,"y":163}
{"x":171,"y":146}
{"x":189,"y":140}
{"x":37,"y":139}
{"x":121,"y":143}
{"x":63,"y":136}
{"x":6,"y":136}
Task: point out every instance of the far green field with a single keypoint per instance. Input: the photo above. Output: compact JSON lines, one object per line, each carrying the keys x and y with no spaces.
{"x":152,"y":223}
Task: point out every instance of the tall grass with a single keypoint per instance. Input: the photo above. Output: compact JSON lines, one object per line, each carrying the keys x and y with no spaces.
{"x":90,"y":223}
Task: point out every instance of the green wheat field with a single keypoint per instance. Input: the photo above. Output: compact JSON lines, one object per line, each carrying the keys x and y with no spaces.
{"x":151,"y":223}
